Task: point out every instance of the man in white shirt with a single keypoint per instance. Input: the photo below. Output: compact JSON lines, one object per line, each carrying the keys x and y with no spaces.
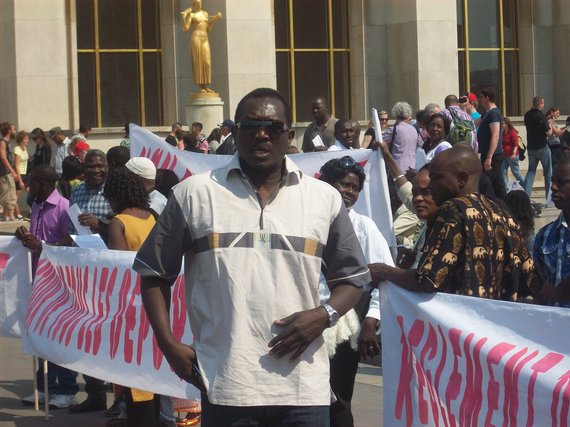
{"x":344,"y":134}
{"x":61,"y":147}
{"x":253,"y":236}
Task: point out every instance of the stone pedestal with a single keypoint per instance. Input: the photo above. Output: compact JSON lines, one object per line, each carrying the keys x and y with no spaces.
{"x":206,"y":108}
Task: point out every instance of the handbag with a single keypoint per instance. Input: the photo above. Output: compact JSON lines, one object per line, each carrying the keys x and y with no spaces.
{"x":522,"y":150}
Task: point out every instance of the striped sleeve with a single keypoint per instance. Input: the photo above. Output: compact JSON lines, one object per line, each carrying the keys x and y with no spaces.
{"x":342,"y":257}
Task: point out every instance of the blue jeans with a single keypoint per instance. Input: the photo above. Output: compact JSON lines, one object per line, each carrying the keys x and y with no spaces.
{"x":263,"y":416}
{"x":60,"y":380}
{"x":541,"y":155}
{"x":515,"y":169}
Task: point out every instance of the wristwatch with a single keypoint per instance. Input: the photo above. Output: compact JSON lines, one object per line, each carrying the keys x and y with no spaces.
{"x":332,"y":313}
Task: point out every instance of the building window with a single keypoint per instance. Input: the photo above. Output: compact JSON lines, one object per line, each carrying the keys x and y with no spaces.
{"x":489,"y":51}
{"x":312,"y":54}
{"x":119,"y":57}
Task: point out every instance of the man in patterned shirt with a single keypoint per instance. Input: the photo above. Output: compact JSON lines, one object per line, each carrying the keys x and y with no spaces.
{"x":474,"y":246}
{"x":551,"y":250}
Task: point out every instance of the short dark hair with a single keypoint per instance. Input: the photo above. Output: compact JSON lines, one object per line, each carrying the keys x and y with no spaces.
{"x":264,"y":93}
{"x":84,"y":128}
{"x":334,"y":170}
{"x":340,"y":123}
{"x":45,"y":173}
{"x":5,"y":128}
{"x":38,"y":133}
{"x":126,"y":189}
{"x":197,"y":125}
{"x":175,"y":126}
{"x":118,"y":156}
{"x":490,"y":93}
{"x":71,"y":168}
{"x":450,"y":100}
{"x":190,"y":141}
{"x":94,"y":152}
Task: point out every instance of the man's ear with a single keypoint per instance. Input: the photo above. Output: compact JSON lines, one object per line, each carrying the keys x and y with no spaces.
{"x":462,"y":178}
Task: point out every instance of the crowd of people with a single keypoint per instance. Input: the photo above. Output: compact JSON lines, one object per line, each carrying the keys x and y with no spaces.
{"x":259,"y":230}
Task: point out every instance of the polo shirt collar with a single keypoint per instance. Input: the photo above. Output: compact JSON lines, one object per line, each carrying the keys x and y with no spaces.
{"x":290,"y":168}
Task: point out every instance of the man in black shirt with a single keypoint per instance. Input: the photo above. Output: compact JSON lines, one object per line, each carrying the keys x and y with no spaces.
{"x":537,"y":130}
{"x":490,"y":139}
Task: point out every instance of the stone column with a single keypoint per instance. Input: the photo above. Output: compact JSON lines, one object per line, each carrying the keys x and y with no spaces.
{"x":40,"y":73}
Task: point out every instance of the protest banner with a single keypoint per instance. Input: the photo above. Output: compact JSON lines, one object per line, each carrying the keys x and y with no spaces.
{"x":373,"y":201}
{"x":15,"y":285}
{"x":85,"y":313}
{"x":452,"y":360}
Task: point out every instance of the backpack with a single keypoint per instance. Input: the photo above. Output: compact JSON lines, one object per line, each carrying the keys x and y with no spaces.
{"x":461,"y":129}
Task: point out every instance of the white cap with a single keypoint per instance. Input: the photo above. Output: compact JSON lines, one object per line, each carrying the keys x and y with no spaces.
{"x":142,"y":167}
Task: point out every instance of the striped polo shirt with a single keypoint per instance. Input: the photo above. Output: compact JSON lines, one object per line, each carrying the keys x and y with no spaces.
{"x":245,"y":267}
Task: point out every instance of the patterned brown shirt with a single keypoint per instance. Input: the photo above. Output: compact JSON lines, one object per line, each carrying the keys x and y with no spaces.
{"x":476,"y":248}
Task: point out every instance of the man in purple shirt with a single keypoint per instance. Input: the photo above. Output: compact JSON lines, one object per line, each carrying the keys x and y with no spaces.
{"x":49,"y":224}
{"x":403,"y":139}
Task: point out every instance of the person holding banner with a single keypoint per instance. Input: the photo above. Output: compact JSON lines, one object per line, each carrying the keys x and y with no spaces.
{"x":128,"y":229}
{"x":344,"y":136}
{"x":474,"y":247}
{"x":49,"y":223}
{"x":320,"y":134}
{"x":355,"y":336}
{"x":253,"y":236}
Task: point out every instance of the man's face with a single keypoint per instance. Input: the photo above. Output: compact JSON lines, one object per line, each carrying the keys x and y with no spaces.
{"x":262,"y":147}
{"x":87,"y":133}
{"x":58,"y":138}
{"x":345,"y":134}
{"x":36,"y":187}
{"x":484,"y":101}
{"x":443,"y":181}
{"x":95,"y":168}
{"x":12,"y":133}
{"x":423,"y":202}
{"x":195,"y":131}
{"x":383,"y":121}
{"x":225,"y":130}
{"x":561,"y":187}
{"x":319,"y":110}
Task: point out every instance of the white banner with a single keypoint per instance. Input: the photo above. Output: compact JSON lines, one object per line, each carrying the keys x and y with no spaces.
{"x":373,"y":201}
{"x":451,"y":360}
{"x":15,"y":285}
{"x":85,"y":313}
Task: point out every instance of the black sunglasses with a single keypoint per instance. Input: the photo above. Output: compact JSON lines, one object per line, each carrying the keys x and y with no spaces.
{"x":348,"y":162}
{"x":272,"y":128}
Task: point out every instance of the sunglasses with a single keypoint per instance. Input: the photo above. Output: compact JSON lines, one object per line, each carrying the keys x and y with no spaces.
{"x":348,"y":162}
{"x":274,"y":129}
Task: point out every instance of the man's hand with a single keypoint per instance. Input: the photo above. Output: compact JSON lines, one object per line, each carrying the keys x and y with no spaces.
{"x":89,"y":220}
{"x":181,"y":358}
{"x":321,"y":148}
{"x":368,"y":345}
{"x":406,"y":258}
{"x":21,"y":232}
{"x":299,"y":331}
{"x":378,"y":271}
{"x":487,"y":164}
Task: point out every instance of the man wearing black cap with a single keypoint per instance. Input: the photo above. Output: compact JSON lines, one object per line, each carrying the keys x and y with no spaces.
{"x":228,"y":146}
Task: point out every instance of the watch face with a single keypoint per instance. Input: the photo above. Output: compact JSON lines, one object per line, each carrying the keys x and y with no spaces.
{"x":334,"y":318}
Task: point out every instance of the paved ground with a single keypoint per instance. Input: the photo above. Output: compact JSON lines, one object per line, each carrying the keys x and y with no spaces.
{"x":16,"y":382}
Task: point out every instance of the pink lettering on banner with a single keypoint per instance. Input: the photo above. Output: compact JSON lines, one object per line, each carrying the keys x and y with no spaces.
{"x":404,"y":393}
{"x":156,"y":156}
{"x":543,"y":365}
{"x":4,"y":258}
{"x":493,"y":387}
{"x":471,"y":370}
{"x":562,"y":388}
{"x":106,"y":284}
{"x":117,"y":322}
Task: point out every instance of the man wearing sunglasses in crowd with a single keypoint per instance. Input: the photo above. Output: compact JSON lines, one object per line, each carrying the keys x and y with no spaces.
{"x":254,"y":235}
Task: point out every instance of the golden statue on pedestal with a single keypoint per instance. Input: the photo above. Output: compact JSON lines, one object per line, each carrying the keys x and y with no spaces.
{"x":199,"y":45}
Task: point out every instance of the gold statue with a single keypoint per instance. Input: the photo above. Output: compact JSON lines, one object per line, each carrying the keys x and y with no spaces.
{"x":199,"y":45}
